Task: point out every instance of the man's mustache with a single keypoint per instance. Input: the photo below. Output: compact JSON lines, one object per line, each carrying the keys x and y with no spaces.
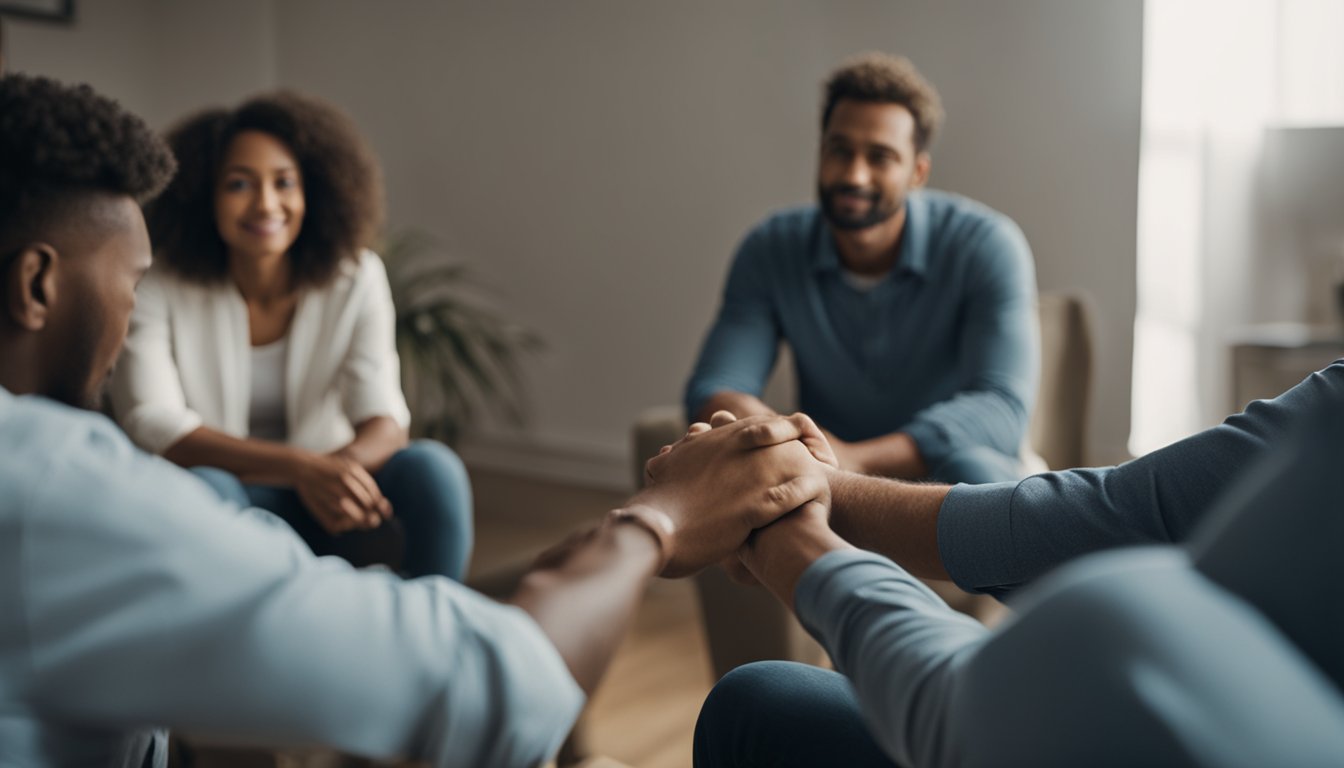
{"x":850,"y":189}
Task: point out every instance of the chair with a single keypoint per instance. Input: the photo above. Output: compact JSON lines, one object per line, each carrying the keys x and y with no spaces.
{"x":745,"y":624}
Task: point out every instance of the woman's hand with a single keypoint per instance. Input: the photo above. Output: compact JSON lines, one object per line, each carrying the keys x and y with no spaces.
{"x":339,"y":493}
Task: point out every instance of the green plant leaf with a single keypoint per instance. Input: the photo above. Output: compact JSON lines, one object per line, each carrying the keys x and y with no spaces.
{"x":460,"y":356}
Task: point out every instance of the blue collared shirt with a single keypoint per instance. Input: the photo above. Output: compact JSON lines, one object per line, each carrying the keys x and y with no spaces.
{"x":944,"y":348}
{"x":132,"y":597}
{"x":1228,"y":653}
{"x":998,"y":537}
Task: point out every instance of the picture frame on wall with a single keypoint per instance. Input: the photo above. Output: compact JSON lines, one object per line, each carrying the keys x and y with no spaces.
{"x":59,"y":11}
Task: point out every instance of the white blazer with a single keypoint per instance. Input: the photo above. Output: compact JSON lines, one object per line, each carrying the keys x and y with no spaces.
{"x":187,"y":360}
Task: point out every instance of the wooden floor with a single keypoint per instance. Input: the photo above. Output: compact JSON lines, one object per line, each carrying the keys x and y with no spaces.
{"x":644,"y":712}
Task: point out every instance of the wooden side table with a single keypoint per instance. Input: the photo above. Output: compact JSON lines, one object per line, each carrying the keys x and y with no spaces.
{"x":1268,"y":360}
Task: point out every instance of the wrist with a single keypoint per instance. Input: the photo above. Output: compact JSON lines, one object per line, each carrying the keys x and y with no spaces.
{"x":293,"y":463}
{"x":788,"y":532}
{"x":779,"y":554}
{"x":656,"y":526}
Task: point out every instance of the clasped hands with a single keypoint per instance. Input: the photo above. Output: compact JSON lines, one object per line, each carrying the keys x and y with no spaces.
{"x":340,"y":493}
{"x":707,"y":493}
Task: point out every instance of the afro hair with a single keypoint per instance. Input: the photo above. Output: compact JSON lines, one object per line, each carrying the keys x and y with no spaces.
{"x":342,"y":187}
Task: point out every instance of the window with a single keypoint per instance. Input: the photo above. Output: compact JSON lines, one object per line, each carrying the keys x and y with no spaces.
{"x":1217,"y":73}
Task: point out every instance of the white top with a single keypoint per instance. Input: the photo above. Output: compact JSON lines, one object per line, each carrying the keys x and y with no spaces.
{"x":133,"y":598}
{"x":188,"y":363}
{"x":266,"y":411}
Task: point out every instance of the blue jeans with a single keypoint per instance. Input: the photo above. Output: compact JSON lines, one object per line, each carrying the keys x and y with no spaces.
{"x":431,"y":527}
{"x":783,"y":714}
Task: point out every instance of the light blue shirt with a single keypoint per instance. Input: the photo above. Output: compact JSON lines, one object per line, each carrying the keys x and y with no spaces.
{"x":131,"y":598}
{"x":944,"y":348}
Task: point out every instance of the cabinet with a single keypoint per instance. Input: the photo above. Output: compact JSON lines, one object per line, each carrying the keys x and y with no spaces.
{"x":1268,"y":360}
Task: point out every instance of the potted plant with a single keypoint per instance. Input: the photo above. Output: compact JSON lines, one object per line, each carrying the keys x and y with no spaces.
{"x":459,"y":355}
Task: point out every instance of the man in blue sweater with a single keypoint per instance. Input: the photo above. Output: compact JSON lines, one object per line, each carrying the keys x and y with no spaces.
{"x":910,"y":312}
{"x":1228,"y":651}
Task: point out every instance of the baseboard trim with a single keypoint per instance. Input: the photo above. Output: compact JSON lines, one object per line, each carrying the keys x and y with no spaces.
{"x":556,"y":459}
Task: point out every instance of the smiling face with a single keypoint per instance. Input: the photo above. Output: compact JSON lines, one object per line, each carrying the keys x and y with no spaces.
{"x":868,"y":164}
{"x":259,"y":203}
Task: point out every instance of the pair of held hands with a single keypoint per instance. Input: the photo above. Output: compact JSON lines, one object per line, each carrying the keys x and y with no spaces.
{"x":707,"y":493}
{"x":340,"y":493}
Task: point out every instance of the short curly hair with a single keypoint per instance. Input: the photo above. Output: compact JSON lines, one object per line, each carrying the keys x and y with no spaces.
{"x":60,"y":143}
{"x":885,"y":79}
{"x":342,"y":187}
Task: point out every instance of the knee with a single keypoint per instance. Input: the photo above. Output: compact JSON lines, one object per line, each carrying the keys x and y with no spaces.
{"x":225,"y":484}
{"x":428,"y":460}
{"x":427,"y":480}
{"x":749,"y":691}
{"x":723,"y":717}
{"x":737,"y":688}
{"x":977,"y":464}
{"x":780,"y":713}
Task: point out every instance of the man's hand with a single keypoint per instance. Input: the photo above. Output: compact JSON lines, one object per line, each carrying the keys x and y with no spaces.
{"x":340,"y":494}
{"x":848,"y":456}
{"x":739,"y":404}
{"x":778,"y":554}
{"x":708,"y":491}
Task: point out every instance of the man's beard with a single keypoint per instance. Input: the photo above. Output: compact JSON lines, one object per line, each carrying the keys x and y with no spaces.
{"x":877,"y":213}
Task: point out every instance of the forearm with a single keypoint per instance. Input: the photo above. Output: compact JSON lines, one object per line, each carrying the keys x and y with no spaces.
{"x":902,"y":648}
{"x":899,"y":644}
{"x":893,"y":455}
{"x":740,"y":404}
{"x":254,"y":461}
{"x":376,"y":440}
{"x":584,"y":601}
{"x":891,"y":517}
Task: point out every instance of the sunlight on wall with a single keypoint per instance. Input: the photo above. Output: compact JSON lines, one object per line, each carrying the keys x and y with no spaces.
{"x":1216,"y":74}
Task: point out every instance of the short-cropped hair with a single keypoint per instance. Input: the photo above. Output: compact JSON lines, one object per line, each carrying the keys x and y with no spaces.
{"x":880,"y":78}
{"x":61,"y":142}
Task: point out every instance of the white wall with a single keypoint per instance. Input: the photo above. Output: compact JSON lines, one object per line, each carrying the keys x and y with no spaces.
{"x":598,"y":160}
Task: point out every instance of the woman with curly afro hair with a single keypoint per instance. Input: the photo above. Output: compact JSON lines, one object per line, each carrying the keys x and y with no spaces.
{"x":262,"y":353}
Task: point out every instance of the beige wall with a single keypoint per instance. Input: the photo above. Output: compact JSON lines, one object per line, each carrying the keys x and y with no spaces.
{"x":597,"y":161}
{"x":160,"y":58}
